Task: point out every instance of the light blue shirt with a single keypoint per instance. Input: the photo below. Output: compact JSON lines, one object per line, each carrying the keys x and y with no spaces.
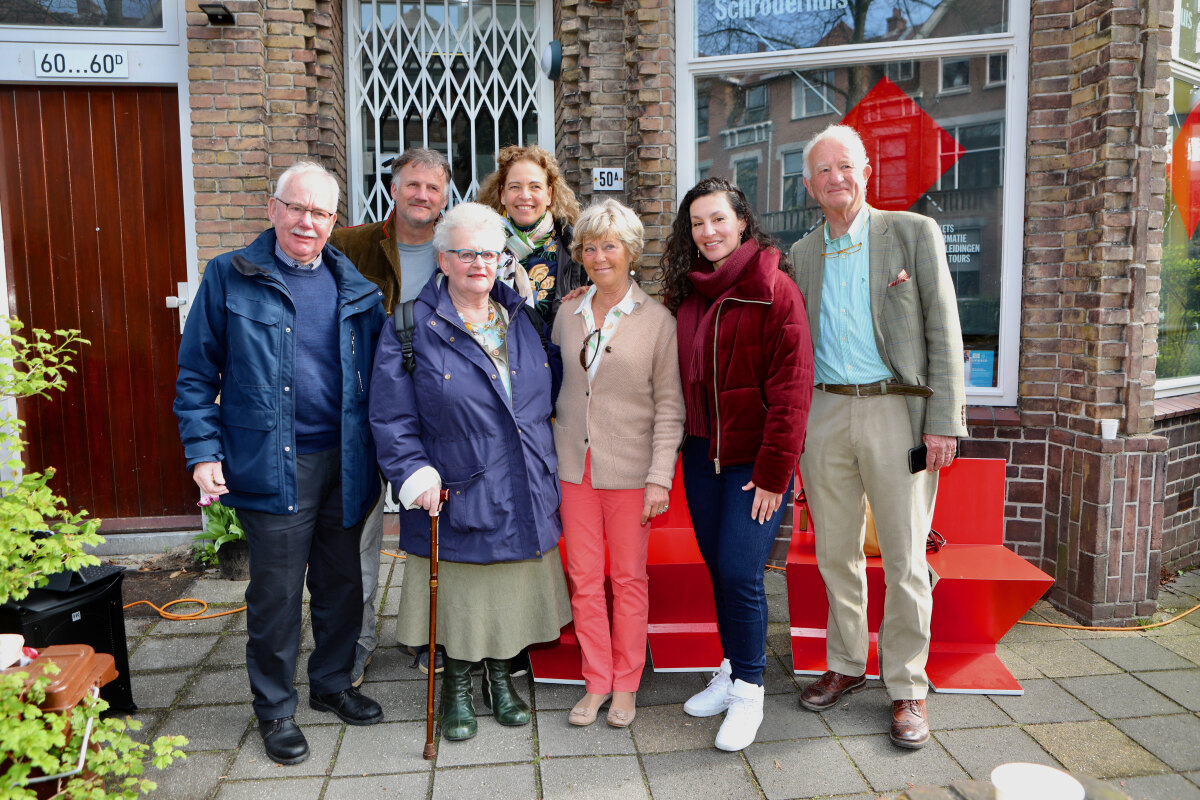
{"x":846,"y":351}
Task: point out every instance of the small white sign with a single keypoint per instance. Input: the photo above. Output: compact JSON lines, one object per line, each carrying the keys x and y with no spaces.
{"x":91,"y":62}
{"x":608,"y":179}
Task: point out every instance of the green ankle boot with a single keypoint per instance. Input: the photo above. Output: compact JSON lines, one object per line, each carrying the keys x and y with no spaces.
{"x":500,"y":696}
{"x":458,"y":710}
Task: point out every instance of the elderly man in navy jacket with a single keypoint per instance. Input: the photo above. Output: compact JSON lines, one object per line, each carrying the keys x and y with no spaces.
{"x":284,"y":332}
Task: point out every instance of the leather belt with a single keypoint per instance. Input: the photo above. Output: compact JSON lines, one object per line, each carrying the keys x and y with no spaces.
{"x":876,"y":389}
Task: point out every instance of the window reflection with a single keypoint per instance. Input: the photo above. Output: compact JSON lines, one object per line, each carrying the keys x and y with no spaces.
{"x":729,"y":27}
{"x":83,"y":13}
{"x":933,"y":153}
{"x":1179,"y":296}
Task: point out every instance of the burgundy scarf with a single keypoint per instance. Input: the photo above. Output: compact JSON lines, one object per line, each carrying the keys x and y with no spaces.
{"x":694,"y":323}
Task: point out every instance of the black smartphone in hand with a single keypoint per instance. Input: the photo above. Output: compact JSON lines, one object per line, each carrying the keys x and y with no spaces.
{"x":917,"y":458}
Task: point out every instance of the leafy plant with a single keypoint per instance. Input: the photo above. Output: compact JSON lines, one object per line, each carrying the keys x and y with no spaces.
{"x":221,"y":526}
{"x":40,"y":536}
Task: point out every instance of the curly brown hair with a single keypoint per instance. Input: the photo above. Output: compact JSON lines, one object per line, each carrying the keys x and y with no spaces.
{"x":681,"y":250}
{"x":564,"y":208}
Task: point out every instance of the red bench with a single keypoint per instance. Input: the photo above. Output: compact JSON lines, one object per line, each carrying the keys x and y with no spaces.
{"x":682,"y":628}
{"x":983,"y":588}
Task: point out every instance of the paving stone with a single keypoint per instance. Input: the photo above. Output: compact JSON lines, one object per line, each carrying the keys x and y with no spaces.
{"x":158,"y":689}
{"x":138,"y":626}
{"x":1177,"y":628}
{"x":1194,"y":777}
{"x":1021,"y":669}
{"x":291,"y":788}
{"x":1043,"y":701}
{"x":1113,"y":696}
{"x":891,"y":768}
{"x":494,"y":744}
{"x":217,"y":686}
{"x":661,"y":729}
{"x":593,"y":778}
{"x":778,"y":678}
{"x":868,"y":711}
{"x":1174,"y":739}
{"x":1095,"y":748}
{"x":401,"y":700}
{"x":664,"y":688}
{"x":193,"y":778}
{"x":412,"y":784}
{"x":1181,"y":685}
{"x":172,"y":627}
{"x":216,"y":591}
{"x":783,"y":718}
{"x":1186,"y":646}
{"x":1097,"y":789}
{"x":1138,"y":653}
{"x":514,"y":782}
{"x":557,"y":737}
{"x":1063,"y":659}
{"x":1159,"y":787}
{"x":556,"y":696}
{"x":392,"y":663}
{"x":252,"y":761}
{"x":698,"y":774}
{"x":1188,"y":584}
{"x":951,"y":711}
{"x":211,"y":727}
{"x":980,"y":750}
{"x":390,"y":606}
{"x":1035,"y":633}
{"x":382,"y":748}
{"x":816,"y":769}
{"x":230,"y":651}
{"x":148,"y":722}
{"x":173,"y":652}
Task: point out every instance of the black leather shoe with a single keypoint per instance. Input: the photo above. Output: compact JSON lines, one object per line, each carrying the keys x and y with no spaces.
{"x":351,"y":706}
{"x":284,"y":742}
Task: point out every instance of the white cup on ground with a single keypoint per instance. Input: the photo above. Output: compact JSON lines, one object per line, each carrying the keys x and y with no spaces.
{"x":10,"y":649}
{"x":1022,"y":781}
{"x":1108,"y":428}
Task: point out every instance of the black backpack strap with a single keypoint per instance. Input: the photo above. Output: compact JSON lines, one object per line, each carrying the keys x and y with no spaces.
{"x":539,"y":324}
{"x":402,"y":319}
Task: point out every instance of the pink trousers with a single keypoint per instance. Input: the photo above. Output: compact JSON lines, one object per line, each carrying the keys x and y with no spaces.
{"x":613,"y":654}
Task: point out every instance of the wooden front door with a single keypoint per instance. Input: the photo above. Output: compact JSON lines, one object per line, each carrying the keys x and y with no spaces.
{"x":92,"y":201}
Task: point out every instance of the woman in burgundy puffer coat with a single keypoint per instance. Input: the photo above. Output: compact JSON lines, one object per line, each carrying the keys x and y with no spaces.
{"x":746,"y":361}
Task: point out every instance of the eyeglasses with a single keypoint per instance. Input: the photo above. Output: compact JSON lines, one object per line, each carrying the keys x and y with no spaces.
{"x":297,"y":211}
{"x":845,"y":251}
{"x":468,"y":256}
{"x":584,"y":360}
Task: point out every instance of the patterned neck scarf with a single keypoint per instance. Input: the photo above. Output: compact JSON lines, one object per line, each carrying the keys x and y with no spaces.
{"x":523,"y":243}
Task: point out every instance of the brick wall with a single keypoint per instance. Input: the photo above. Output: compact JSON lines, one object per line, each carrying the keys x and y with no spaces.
{"x":616,"y":106}
{"x":265,"y":92}
{"x":1181,"y":502}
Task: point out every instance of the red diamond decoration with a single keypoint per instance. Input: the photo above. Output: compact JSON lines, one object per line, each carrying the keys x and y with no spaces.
{"x":908,"y":151}
{"x":1185,"y":171}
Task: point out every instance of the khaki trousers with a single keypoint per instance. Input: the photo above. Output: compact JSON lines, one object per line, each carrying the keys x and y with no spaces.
{"x":857,"y":447}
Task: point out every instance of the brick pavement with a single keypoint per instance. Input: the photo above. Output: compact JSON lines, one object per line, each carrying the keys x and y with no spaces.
{"x":1121,"y":708}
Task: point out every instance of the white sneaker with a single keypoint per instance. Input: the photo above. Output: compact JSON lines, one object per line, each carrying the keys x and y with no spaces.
{"x":715,"y":698}
{"x":742,"y":719}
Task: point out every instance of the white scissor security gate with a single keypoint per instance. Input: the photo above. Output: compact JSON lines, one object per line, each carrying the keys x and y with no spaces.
{"x":458,"y":77}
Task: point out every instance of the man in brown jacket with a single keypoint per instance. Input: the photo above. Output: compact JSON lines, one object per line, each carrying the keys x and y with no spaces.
{"x":397,"y":254}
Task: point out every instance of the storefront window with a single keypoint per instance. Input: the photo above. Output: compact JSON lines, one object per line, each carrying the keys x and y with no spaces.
{"x":1179,"y":295}
{"x":934,"y":153}
{"x":732,"y":27}
{"x":81,"y":14}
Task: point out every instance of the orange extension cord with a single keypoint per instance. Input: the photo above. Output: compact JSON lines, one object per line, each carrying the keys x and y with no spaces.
{"x":196,"y":615}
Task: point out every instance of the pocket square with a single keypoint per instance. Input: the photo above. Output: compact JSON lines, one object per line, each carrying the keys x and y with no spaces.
{"x":901,"y":278}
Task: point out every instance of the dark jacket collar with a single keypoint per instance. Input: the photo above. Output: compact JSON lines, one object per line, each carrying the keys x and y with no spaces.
{"x":258,"y":260}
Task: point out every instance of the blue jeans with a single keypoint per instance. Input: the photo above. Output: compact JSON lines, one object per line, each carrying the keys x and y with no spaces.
{"x":735,"y":548}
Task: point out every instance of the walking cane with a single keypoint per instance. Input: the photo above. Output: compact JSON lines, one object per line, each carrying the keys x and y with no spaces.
{"x":430,"y":750}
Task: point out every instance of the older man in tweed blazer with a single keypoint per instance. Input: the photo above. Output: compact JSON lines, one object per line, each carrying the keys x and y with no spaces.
{"x":889,"y":377}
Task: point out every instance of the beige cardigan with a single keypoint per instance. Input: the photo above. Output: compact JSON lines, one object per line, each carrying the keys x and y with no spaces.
{"x":632,"y":417}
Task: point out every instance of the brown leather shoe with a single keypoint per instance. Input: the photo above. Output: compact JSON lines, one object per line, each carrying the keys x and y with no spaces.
{"x":826,"y":690}
{"x":910,"y":725}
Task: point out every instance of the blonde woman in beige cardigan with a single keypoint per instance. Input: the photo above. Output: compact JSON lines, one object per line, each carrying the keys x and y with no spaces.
{"x":618,"y":426}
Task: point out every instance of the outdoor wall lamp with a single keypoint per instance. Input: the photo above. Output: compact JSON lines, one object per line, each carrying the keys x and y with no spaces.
{"x":551,"y":60}
{"x":217,"y":13}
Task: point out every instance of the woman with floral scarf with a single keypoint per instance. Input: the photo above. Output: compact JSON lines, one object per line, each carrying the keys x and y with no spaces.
{"x":539,"y":209}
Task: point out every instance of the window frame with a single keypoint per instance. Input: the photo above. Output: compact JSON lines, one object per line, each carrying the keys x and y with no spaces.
{"x":1014,"y":43}
{"x":801,"y":83}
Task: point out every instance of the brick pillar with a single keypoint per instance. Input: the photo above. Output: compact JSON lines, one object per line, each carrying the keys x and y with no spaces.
{"x":616,"y":106}
{"x":1093,"y":239}
{"x":264,"y":94}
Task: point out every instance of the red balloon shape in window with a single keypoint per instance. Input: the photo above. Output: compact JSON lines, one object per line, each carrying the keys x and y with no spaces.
{"x":1185,"y":171}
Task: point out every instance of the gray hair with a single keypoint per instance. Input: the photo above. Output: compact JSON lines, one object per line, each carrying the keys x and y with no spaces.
{"x":422,"y":157}
{"x":844,"y":135}
{"x":305,"y":168}
{"x":473,"y":216}
{"x":608,"y":218}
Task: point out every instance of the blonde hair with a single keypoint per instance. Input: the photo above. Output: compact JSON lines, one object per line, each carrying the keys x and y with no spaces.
{"x":608,"y":218}
{"x":564,"y":208}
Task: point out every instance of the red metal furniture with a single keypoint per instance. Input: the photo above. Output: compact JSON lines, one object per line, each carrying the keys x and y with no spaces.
{"x":983,"y":588}
{"x":682,"y":628}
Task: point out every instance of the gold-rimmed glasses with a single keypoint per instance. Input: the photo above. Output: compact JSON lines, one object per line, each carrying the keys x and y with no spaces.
{"x":845,"y":251}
